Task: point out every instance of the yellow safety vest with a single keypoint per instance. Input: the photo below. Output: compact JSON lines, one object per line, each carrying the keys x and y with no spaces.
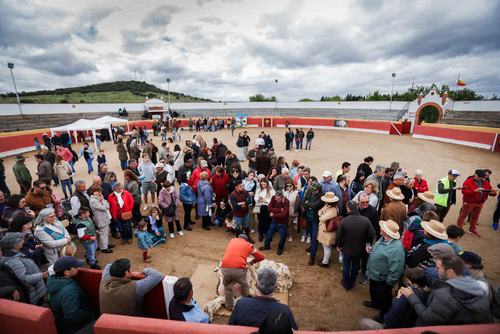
{"x":442,"y":199}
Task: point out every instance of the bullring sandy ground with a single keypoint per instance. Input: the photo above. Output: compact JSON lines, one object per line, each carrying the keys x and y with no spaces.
{"x":316,"y":298}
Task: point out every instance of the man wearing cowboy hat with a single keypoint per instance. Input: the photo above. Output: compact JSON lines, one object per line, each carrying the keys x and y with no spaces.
{"x":435,"y":233}
{"x":385,"y":267}
{"x":395,"y":210}
{"x":396,"y":183}
{"x":353,"y":233}
{"x":312,"y":203}
{"x":446,"y":193}
{"x":22,"y":173}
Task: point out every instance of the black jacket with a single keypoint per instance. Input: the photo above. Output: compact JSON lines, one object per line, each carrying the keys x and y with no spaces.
{"x":371,"y":213}
{"x":9,"y":282}
{"x":47,"y":142}
{"x":365,"y":168}
{"x":353,"y":233}
{"x":50,"y":157}
{"x":64,"y":138}
{"x":106,"y":190}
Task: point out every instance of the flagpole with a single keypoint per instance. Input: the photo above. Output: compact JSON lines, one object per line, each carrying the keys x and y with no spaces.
{"x":456,"y":93}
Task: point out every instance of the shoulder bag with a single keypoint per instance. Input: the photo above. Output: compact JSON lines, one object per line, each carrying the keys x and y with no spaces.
{"x":169,"y":211}
{"x":333,"y":224}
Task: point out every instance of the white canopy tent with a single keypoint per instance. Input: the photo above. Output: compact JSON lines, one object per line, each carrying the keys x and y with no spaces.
{"x":81,"y":124}
{"x":112,"y":120}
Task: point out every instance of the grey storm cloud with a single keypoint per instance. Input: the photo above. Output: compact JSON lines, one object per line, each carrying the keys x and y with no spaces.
{"x":136,"y":42}
{"x":211,"y":19}
{"x":60,"y":61}
{"x":87,"y":26}
{"x":202,"y":2}
{"x":160,"y":17}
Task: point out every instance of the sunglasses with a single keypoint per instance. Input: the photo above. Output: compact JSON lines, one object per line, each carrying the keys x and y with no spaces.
{"x":289,"y":185}
{"x":364,"y":202}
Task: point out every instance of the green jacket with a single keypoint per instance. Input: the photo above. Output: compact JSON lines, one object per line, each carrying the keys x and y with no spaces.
{"x":314,"y":206}
{"x":69,"y":304}
{"x":21,"y":172}
{"x":90,"y":228}
{"x":386,"y":261}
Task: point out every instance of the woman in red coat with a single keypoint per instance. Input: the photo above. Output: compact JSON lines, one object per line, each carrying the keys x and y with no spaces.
{"x":420,"y":183}
{"x":220,"y":184}
{"x":121,"y":203}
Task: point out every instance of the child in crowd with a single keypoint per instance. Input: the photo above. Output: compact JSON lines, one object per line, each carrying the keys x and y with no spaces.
{"x":155,"y":226}
{"x":222,"y":210}
{"x":230,"y":222}
{"x":98,"y":142}
{"x":455,"y":233}
{"x":143,"y":240}
{"x":87,"y":234}
{"x":496,"y":213}
{"x":38,"y":146}
{"x":101,"y":158}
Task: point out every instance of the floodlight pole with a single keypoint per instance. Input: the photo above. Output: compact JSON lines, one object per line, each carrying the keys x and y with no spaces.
{"x":168,"y":83}
{"x":392,"y":89}
{"x":276,"y":100}
{"x":11,"y":66}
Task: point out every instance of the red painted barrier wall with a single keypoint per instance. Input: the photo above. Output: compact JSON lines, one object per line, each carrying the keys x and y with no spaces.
{"x":153,"y":302}
{"x":114,"y":324}
{"x":20,"y":318}
{"x":472,"y":136}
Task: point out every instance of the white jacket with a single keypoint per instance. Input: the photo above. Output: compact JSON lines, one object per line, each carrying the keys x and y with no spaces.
{"x":52,"y":247}
{"x":102,"y":217}
{"x":259,"y":194}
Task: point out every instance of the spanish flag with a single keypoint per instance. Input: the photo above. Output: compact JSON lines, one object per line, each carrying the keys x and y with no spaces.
{"x":460,"y":83}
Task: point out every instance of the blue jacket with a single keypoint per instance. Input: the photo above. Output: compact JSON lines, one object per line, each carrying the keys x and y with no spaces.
{"x":327,"y":187}
{"x":186,"y":194}
{"x":143,"y":239}
{"x":401,"y":313}
{"x":90,"y":151}
{"x":188,"y":313}
{"x":251,"y":311}
{"x":205,"y":195}
{"x":338,"y":192}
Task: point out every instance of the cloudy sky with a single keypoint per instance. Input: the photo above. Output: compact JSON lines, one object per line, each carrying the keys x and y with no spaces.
{"x":231,"y":49}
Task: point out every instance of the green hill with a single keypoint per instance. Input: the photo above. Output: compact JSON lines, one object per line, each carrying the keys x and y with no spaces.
{"x":107,"y":92}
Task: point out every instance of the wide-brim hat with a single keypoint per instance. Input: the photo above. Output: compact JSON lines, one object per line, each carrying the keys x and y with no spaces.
{"x":428,"y":197}
{"x":329,"y":197}
{"x":19,"y":157}
{"x":435,"y":228}
{"x":390,"y":227}
{"x":395,"y":193}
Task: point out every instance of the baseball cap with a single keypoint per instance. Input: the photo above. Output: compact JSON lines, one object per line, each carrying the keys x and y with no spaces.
{"x":204,"y":163}
{"x":327,"y":173}
{"x":159,"y":165}
{"x":441,"y":249}
{"x":480,"y":173}
{"x":470,"y":257}
{"x":454,"y":172}
{"x":67,"y":262}
{"x":243,"y":236}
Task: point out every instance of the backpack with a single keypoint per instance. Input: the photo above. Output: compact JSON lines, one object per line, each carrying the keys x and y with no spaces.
{"x":407,"y":240}
{"x":495,"y":304}
{"x":169,"y":211}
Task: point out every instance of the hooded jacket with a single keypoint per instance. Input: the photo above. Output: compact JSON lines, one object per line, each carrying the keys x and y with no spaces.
{"x":457,"y":301}
{"x":69,"y":304}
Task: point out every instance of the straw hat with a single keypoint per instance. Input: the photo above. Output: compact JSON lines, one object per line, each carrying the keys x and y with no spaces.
{"x":428,"y":197}
{"x":435,"y":228}
{"x":330,"y":197}
{"x":390,"y":227}
{"x":395,"y":193}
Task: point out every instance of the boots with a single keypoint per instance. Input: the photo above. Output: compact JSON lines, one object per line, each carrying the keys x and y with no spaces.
{"x":247,"y":232}
{"x":237,"y":233}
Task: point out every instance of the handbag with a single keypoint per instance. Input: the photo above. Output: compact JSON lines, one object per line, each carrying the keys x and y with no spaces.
{"x":256,"y":209}
{"x":169,"y":211}
{"x":303,"y":222}
{"x":333,"y":224}
{"x":127,"y":215}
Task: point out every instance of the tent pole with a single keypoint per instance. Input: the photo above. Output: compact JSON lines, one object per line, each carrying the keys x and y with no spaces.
{"x":95,"y":142}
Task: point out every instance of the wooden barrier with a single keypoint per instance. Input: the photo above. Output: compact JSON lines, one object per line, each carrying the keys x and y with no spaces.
{"x":20,"y":318}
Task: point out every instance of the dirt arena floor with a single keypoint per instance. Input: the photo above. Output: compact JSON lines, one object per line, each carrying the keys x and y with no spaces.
{"x":316,"y":298}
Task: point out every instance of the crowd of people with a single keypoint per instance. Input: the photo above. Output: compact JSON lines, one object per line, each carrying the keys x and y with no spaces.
{"x":386,"y":226}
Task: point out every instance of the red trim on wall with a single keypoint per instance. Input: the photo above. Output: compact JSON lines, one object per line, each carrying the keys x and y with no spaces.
{"x":455,"y":134}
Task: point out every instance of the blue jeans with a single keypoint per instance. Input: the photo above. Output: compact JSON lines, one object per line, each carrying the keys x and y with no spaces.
{"x":218,"y":221}
{"x":350,"y":270}
{"x":313,"y":228}
{"x":123,"y":164}
{"x":301,"y":141}
{"x":89,"y":165}
{"x":56,"y":179}
{"x":163,"y":136}
{"x":72,"y":164}
{"x":3,"y":186}
{"x":64,"y":184}
{"x":241,"y":221}
{"x":91,"y":249}
{"x":275,"y":227}
{"x":143,"y":140}
{"x":125,"y":228}
{"x":240,"y":149}
{"x":308,"y":143}
{"x":297,"y":144}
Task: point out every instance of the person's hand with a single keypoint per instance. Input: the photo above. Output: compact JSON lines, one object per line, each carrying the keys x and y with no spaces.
{"x":36,"y":173}
{"x":31,"y":213}
{"x":251,"y":194}
{"x":458,"y":188}
{"x":15,"y":296}
{"x":93,"y":238}
{"x":98,"y":232}
{"x":45,"y":274}
{"x":154,"y":181}
{"x":101,"y":197}
{"x":4,"y":230}
{"x":158,"y":233}
{"x":407,"y":291}
{"x":30,"y":251}
{"x":150,"y":247}
{"x":369,"y":249}
{"x":271,"y":214}
{"x":241,"y":203}
{"x":478,"y":190}
{"x":69,"y":240}
{"x":400,"y":292}
{"x":39,"y":246}
{"x":339,"y":249}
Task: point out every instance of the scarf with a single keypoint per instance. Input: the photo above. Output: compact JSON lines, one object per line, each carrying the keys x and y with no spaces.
{"x":120,"y":199}
{"x":435,"y":242}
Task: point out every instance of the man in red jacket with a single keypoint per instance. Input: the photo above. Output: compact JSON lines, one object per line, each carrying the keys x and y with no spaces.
{"x":279,"y":210}
{"x":475,"y":190}
{"x":220,"y":184}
